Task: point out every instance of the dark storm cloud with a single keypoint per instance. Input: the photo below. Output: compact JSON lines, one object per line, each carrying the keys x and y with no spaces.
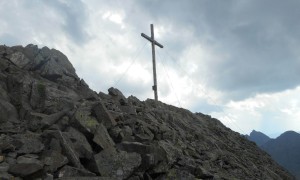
{"x":74,"y":15}
{"x":259,"y":38}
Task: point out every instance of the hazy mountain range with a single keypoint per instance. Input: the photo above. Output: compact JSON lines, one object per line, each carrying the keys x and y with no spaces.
{"x":284,"y":149}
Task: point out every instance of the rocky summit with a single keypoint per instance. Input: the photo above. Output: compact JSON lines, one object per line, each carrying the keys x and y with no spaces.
{"x":52,"y":126}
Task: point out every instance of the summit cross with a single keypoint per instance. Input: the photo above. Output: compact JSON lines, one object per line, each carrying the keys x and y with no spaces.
{"x":153,"y":42}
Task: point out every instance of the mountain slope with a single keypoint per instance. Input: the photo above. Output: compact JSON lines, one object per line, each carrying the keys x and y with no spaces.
{"x":258,"y":137}
{"x":53,"y":126}
{"x":286,"y":151}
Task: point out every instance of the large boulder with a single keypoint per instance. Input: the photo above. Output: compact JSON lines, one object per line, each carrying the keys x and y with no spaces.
{"x":78,"y":142}
{"x":102,"y":138}
{"x":24,"y":169}
{"x":53,"y":160}
{"x":8,"y":112}
{"x":103,"y":115}
{"x":117,"y":164}
{"x":28,"y":143}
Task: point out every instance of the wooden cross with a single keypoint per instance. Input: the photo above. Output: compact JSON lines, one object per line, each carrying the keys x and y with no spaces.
{"x":153,"y":42}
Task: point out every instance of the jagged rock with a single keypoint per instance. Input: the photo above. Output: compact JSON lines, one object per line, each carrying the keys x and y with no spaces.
{"x":41,"y":121}
{"x":117,"y":164}
{"x":28,"y":143}
{"x":86,"y":123}
{"x":118,"y":95}
{"x":51,"y":64}
{"x":150,"y":154}
{"x":79,"y":143}
{"x":53,"y":160}
{"x":5,"y":176}
{"x":68,"y":171}
{"x":24,"y":169}
{"x":136,"y":147}
{"x":25,"y":159}
{"x":128,"y":110}
{"x":67,"y":148}
{"x":4,"y":166}
{"x":127,"y":133}
{"x":54,"y":145}
{"x":116,"y":134}
{"x":1,"y":159}
{"x":8,"y":112}
{"x":37,"y":95}
{"x":10,"y":160}
{"x":48,"y":177}
{"x":103,"y":115}
{"x":102,"y":138}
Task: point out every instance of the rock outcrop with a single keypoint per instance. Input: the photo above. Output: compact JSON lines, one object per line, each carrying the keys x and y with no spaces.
{"x":52,"y":126}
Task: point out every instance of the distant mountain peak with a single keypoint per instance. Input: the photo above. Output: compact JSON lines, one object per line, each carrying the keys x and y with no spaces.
{"x":285,"y":149}
{"x":289,"y":135}
{"x":258,"y":137}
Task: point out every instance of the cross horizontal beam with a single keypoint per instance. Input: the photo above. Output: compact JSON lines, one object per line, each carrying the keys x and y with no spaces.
{"x":151,"y":40}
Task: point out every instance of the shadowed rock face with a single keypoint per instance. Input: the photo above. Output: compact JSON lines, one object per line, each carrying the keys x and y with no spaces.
{"x":56,"y":127}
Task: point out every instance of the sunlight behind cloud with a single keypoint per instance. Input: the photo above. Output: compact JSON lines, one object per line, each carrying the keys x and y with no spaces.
{"x":114,"y":17}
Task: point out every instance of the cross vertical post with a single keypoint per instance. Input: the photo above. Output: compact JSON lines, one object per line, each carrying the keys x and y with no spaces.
{"x":153,"y":43}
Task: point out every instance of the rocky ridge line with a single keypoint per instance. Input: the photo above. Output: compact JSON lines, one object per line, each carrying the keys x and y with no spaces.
{"x":52,"y":126}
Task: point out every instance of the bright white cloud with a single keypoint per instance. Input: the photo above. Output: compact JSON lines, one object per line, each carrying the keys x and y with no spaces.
{"x":270,"y":113}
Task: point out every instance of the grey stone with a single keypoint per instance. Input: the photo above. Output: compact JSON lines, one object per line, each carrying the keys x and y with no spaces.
{"x":144,"y":137}
{"x":116,"y":134}
{"x":10,"y":160}
{"x":129,"y":110}
{"x":29,"y":143}
{"x":4,"y":167}
{"x":117,"y":164}
{"x":38,"y":95}
{"x":86,"y":123}
{"x":79,"y":143}
{"x":66,"y":146}
{"x":118,"y":95}
{"x":127,"y":131}
{"x":68,"y":171}
{"x":135,"y":147}
{"x":103,"y":115}
{"x":54,"y":145}
{"x":12,"y":154}
{"x":5,"y":176}
{"x":102,"y":138}
{"x":8,"y":112}
{"x":28,"y":160}
{"x":24,"y":169}
{"x":41,"y":121}
{"x":48,"y":177}
{"x":19,"y":59}
{"x":53,"y":160}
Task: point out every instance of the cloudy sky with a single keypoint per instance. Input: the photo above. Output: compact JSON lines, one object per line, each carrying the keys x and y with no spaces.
{"x":237,"y":60}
